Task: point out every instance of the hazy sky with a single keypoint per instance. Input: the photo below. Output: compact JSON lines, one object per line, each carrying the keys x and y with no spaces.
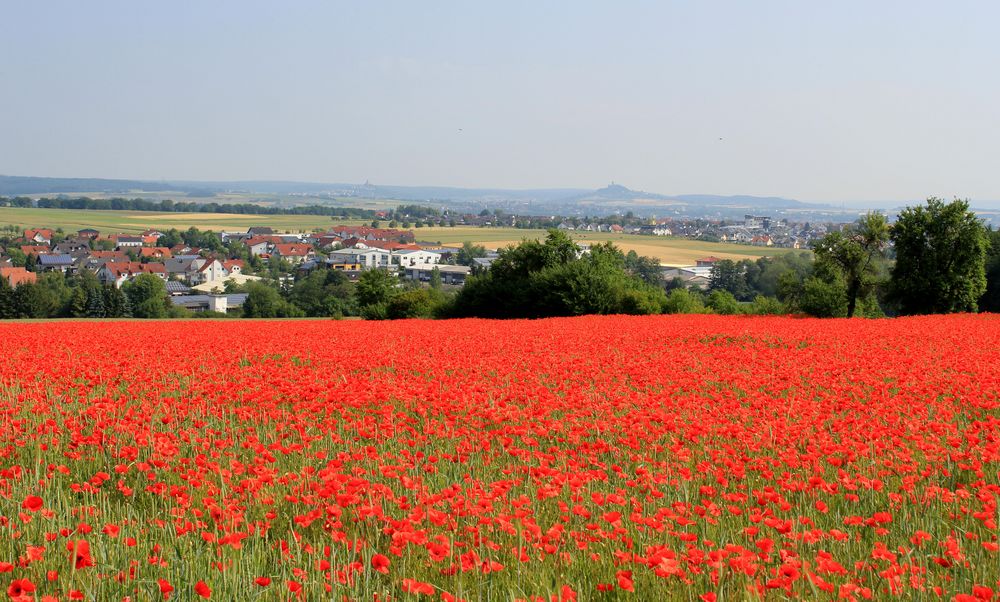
{"x":832,"y":101}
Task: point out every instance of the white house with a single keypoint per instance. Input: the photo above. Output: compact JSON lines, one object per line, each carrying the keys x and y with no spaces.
{"x":211,"y":270}
{"x":415,"y":257}
{"x":367,"y":258}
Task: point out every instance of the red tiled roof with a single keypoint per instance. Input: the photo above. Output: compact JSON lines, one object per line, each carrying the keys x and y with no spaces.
{"x":119,"y":268}
{"x":163,"y":252}
{"x":34,"y":249}
{"x":16,"y":276}
{"x":109,"y":255}
{"x":292,"y":250}
{"x":45,"y":232}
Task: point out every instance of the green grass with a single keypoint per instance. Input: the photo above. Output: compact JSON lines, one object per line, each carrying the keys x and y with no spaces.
{"x":71,"y":220}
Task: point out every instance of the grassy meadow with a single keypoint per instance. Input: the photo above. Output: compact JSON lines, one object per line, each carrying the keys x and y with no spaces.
{"x":72,"y":220}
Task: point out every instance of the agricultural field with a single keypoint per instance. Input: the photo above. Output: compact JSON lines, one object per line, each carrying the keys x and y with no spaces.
{"x":594,"y":458}
{"x":670,"y":250}
{"x":136,"y":221}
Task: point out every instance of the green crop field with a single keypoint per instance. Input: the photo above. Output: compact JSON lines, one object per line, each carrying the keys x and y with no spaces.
{"x":72,"y":220}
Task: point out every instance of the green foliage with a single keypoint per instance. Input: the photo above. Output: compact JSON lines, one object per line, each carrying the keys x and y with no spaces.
{"x":765,"y":279}
{"x":731,"y":277}
{"x":147,"y":296}
{"x":435,"y":282}
{"x":644,"y":268}
{"x":468,"y":253}
{"x":17,"y":257}
{"x":683,"y":301}
{"x":414,"y":303}
{"x":823,"y":298}
{"x":264,"y":301}
{"x":990,"y":301}
{"x":8,"y":309}
{"x":116,"y":303}
{"x":375,"y":288}
{"x":723,"y":302}
{"x":940,"y":258}
{"x":765,"y":306}
{"x":855,"y":255}
{"x":323,"y":293}
{"x":538,"y":279}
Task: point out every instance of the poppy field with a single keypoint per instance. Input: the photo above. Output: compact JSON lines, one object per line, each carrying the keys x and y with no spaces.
{"x":595,"y":458}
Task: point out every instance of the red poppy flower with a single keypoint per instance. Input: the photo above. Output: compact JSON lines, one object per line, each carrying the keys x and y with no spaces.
{"x":202,"y":589}
{"x":80,"y":553}
{"x":380,"y":563}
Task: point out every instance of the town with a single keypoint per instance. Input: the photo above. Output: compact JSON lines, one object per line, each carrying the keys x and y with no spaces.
{"x":199,"y":268}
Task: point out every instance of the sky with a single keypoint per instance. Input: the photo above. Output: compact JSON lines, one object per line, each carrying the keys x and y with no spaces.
{"x":834,"y":101}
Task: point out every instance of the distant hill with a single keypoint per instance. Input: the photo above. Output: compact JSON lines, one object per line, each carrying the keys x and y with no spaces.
{"x":611,"y":197}
{"x":15,"y":185}
{"x":742,"y":199}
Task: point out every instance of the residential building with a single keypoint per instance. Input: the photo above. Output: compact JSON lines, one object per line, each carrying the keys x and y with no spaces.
{"x":118,"y":273}
{"x":55,"y":263}
{"x":293,"y":253}
{"x":411,"y":258}
{"x":39,"y":236}
{"x":17,"y":276}
{"x":128,"y":242}
{"x":367,"y":258}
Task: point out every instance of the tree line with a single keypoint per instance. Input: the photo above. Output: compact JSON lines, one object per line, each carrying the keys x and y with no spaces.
{"x":935,"y":258}
{"x":168,"y":205}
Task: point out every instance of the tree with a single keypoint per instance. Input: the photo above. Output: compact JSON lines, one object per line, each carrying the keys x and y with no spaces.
{"x":116,"y":303}
{"x":645,"y":268}
{"x":990,"y":301}
{"x":940,"y":258}
{"x":683,"y":301}
{"x":34,"y":300}
{"x":415,"y":303}
{"x":375,"y":287}
{"x":730,"y":276}
{"x":8,"y":308}
{"x":823,"y":298}
{"x":17,"y":258}
{"x":468,"y":253}
{"x":436,"y":279}
{"x":323,"y":293}
{"x":855,"y":253}
{"x":264,"y":301}
{"x":723,"y":302}
{"x":147,"y":296}
{"x":95,"y":304}
{"x":538,"y":279}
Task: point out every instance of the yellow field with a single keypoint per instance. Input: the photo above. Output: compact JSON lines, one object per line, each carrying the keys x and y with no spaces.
{"x":669,"y":250}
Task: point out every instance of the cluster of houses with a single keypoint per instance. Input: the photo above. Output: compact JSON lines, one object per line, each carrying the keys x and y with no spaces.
{"x":192,"y":273}
{"x":755,"y":230}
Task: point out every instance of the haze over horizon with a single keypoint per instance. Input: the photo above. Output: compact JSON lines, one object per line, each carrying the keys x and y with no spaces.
{"x":838,"y":103}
